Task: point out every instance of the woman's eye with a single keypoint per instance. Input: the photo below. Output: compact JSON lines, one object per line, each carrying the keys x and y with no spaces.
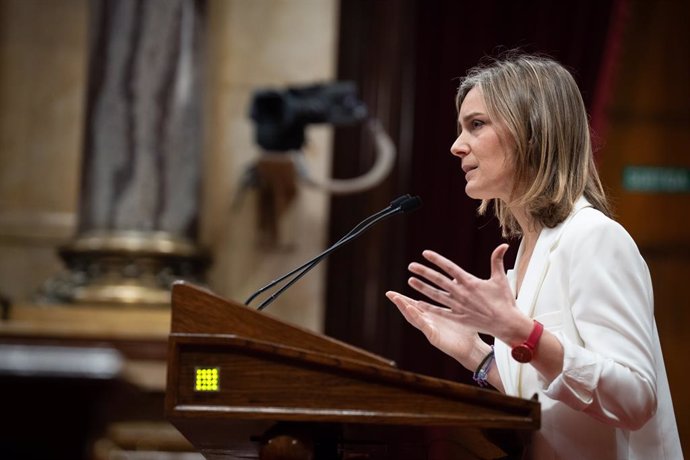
{"x":477,"y":124}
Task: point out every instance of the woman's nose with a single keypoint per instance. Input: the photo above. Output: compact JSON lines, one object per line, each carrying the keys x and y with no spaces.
{"x":459,"y":147}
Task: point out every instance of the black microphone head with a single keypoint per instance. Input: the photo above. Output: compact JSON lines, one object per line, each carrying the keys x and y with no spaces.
{"x":410,"y":204}
{"x":399,"y":200}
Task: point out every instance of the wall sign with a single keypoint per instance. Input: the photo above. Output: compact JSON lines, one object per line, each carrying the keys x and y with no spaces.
{"x":656,"y":179}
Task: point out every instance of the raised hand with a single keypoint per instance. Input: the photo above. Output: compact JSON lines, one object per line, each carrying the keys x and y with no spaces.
{"x":485,"y":306}
{"x":443,"y":328}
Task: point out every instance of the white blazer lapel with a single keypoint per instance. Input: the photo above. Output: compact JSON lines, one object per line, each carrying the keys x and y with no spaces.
{"x":526,"y":299}
{"x":529,"y":292}
{"x":536,"y":270}
{"x":539,"y":263}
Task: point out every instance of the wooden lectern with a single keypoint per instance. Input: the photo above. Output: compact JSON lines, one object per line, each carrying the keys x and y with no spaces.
{"x":242,"y":384}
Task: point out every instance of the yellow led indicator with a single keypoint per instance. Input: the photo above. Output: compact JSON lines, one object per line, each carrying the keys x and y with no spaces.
{"x":207,"y":379}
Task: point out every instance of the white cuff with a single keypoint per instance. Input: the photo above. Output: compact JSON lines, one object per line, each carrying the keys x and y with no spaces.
{"x":576,"y":384}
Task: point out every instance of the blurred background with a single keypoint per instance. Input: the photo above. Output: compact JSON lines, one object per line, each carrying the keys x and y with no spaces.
{"x":128,"y":159}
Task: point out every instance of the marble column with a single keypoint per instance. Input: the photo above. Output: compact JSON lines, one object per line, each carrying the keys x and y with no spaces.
{"x":140,"y":178}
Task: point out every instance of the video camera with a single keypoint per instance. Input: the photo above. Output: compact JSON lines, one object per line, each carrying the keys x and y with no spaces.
{"x":281,"y":116}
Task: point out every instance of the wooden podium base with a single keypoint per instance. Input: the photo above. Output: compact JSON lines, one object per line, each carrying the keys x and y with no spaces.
{"x":240,"y":440}
{"x":243,"y":384}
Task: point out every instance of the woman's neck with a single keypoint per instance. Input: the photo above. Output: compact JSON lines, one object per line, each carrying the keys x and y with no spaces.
{"x":530,"y":234}
{"x":529,"y":228}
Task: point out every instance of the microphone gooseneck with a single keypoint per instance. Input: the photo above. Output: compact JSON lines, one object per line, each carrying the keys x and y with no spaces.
{"x":405,"y":203}
{"x":394,"y":204}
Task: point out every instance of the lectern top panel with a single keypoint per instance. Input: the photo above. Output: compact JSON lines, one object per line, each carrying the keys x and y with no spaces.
{"x":196,"y":310}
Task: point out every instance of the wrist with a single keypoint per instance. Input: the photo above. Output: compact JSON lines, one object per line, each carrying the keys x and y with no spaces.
{"x":518,"y":332}
{"x":481,"y":375}
{"x":477,"y":354}
{"x":526,"y":351}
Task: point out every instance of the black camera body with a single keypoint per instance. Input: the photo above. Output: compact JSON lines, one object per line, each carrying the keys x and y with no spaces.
{"x":281,"y":116}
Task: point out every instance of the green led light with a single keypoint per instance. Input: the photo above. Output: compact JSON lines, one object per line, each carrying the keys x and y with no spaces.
{"x":207,"y":379}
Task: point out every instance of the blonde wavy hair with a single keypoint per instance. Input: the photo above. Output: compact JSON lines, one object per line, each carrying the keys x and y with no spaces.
{"x":540,"y":104}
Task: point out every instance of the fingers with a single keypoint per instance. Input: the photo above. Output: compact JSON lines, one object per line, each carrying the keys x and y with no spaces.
{"x":457,"y":298}
{"x":446,"y":265}
{"x":460,"y":291}
{"x":415,"y":308}
{"x":440,"y":288}
{"x":398,"y":298}
{"x":497,"y":268}
{"x":408,"y":309}
{"x":457,"y":273}
{"x":404,"y":303}
{"x":432,"y":292}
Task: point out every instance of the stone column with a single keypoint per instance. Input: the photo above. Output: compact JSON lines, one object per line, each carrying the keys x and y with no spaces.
{"x":140,"y":178}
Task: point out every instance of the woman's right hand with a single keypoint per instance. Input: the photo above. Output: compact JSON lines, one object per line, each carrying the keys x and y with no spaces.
{"x":443,"y":329}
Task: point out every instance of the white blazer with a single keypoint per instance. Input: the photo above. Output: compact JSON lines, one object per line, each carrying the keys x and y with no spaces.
{"x":588,"y":284}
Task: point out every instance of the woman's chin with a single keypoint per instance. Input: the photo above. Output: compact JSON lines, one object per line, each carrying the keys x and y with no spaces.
{"x":473,"y":193}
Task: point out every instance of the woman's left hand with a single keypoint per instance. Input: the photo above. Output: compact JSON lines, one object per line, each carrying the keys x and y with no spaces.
{"x":487,"y":306}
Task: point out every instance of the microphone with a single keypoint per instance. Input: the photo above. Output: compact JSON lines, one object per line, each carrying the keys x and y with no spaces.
{"x":394,"y":204}
{"x":402,"y":204}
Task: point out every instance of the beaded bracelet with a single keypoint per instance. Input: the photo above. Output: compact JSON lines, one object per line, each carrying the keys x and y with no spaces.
{"x":482,"y":371}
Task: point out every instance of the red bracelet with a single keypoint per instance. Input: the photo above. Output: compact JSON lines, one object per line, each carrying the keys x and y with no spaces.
{"x":524,"y":352}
